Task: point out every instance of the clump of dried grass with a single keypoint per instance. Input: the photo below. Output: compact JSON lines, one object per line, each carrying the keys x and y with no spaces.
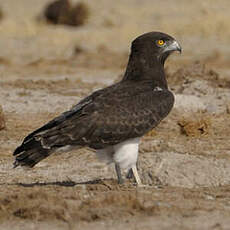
{"x":63,"y":12}
{"x":151,"y":133}
{"x":195,"y":126}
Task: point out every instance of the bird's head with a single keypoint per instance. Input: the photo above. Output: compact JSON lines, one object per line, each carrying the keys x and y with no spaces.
{"x":154,"y":45}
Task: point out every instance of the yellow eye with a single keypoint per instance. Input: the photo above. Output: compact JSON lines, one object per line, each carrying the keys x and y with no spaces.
{"x":160,"y":42}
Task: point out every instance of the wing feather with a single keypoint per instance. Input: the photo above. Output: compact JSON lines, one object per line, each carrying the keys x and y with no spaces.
{"x":107,"y":117}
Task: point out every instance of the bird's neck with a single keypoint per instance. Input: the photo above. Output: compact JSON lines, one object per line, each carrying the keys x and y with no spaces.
{"x":146,"y":69}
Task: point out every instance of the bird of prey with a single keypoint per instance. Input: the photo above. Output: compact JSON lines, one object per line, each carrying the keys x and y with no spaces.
{"x":112,"y":120}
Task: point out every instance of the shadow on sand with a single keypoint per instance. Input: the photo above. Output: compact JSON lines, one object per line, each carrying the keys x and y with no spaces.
{"x":68,"y":183}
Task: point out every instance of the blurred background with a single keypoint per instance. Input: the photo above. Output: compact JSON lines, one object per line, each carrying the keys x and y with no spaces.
{"x":54,"y":53}
{"x":202,"y":27}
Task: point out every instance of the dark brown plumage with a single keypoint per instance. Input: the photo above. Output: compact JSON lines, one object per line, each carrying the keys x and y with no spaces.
{"x":123,"y":111}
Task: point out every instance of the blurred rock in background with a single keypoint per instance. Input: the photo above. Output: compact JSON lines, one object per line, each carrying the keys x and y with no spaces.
{"x":1,"y":14}
{"x":2,"y":119}
{"x":63,"y":12}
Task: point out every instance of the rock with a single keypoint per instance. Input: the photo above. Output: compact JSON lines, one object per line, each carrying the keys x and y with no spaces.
{"x":57,"y":12}
{"x":2,"y":119}
{"x":79,"y":14}
{"x":1,"y":14}
{"x":62,"y":12}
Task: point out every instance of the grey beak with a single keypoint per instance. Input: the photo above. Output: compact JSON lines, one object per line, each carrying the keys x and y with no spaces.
{"x":174,"y":46}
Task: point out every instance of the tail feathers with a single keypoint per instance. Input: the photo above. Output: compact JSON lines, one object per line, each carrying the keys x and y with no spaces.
{"x":30,"y":154}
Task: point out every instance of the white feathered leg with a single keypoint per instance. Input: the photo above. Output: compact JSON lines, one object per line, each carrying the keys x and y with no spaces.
{"x":125,"y":157}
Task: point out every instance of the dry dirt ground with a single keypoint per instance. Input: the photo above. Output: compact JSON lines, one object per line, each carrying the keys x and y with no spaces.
{"x":185,"y":161}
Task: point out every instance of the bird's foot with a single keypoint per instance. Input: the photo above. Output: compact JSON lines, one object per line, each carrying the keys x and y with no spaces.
{"x":136,"y":176}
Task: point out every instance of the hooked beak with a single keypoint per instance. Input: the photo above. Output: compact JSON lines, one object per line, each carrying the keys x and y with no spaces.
{"x":174,"y":46}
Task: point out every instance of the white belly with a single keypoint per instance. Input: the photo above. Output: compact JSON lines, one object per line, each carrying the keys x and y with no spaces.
{"x":124,"y":153}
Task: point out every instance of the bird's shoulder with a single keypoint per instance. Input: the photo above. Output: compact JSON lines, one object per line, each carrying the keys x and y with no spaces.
{"x":132,"y":106}
{"x":133,"y":96}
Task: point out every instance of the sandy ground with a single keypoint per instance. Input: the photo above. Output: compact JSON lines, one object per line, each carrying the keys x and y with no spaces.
{"x":185,"y":161}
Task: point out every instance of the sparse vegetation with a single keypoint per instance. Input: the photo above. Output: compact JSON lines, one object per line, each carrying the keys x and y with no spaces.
{"x":195,"y":126}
